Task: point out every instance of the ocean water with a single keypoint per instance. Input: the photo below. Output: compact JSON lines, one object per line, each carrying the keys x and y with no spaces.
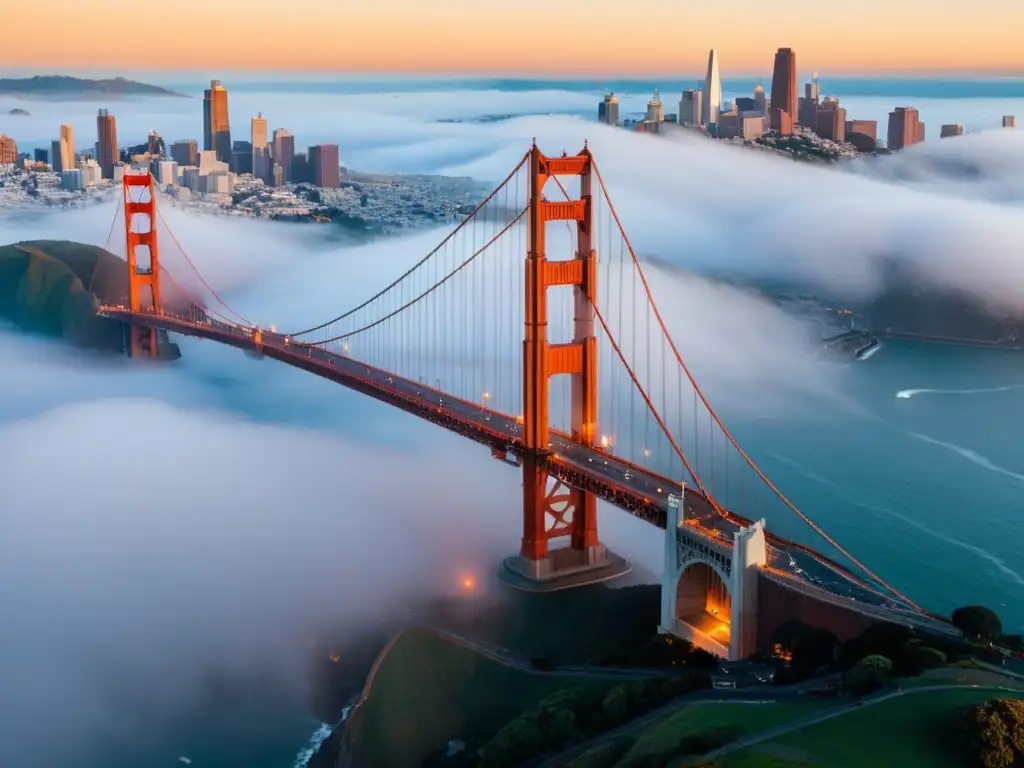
{"x":922,"y":477}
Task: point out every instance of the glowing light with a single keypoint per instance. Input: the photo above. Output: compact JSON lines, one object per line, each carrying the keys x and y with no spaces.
{"x":335,"y":658}
{"x":647,"y":452}
{"x":605,"y":441}
{"x":273,"y":329}
{"x":344,"y":347}
{"x":468,"y":583}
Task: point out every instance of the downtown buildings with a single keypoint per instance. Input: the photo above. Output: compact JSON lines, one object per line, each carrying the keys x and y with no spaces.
{"x":107,"y":153}
{"x":216,"y":127}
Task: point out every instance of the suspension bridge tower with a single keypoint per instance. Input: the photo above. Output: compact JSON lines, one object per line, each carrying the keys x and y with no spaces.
{"x":143,"y":261}
{"x":551,"y":508}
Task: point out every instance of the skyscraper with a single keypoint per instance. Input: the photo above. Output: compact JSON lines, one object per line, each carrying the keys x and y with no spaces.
{"x":950,"y":130}
{"x":216,"y":129}
{"x":106,"y":143}
{"x":55,"y":156}
{"x":784,"y":91}
{"x":905,"y":128}
{"x":284,"y":151}
{"x":1009,"y":121}
{"x":689,"y":107}
{"x":655,"y":109}
{"x":8,"y":150}
{"x":185,"y":153}
{"x":831,"y":121}
{"x":712,"y":97}
{"x":608,"y":110}
{"x":323,"y":162}
{"x":760,"y":100}
{"x":67,"y":148}
{"x":261,"y":165}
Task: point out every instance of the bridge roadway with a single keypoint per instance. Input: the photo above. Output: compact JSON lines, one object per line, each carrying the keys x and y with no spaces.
{"x":634,"y":488}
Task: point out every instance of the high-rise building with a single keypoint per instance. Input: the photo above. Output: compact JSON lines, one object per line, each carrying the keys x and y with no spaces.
{"x":1009,"y":121}
{"x":831,"y":121}
{"x":67,"y":148}
{"x":185,"y":153}
{"x":167,"y":172}
{"x":216,"y":128}
{"x":261,"y":166}
{"x":106,"y":143}
{"x":655,"y":109}
{"x":949,"y":130}
{"x":284,"y":151}
{"x":711,"y":102}
{"x":760,"y":100}
{"x":905,"y":128}
{"x":784,"y":91}
{"x":608,"y":110}
{"x":300,"y":168}
{"x":689,"y":107}
{"x":241,"y":157}
{"x":55,"y":154}
{"x":8,"y":150}
{"x":324,"y":165}
{"x":41,"y":156}
{"x":155,"y":145}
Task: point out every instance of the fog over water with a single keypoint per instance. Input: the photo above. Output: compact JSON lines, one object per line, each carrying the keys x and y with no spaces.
{"x":159,"y":521}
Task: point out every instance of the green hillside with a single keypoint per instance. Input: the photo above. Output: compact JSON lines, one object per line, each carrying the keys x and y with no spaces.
{"x":429,"y":689}
{"x":53,"y":287}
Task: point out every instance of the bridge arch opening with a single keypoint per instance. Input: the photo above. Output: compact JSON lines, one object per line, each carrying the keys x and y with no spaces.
{"x":704,"y":603}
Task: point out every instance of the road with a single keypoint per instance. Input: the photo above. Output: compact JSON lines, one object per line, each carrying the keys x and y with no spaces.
{"x":770,"y":694}
{"x":805,"y":722}
{"x":629,"y":486}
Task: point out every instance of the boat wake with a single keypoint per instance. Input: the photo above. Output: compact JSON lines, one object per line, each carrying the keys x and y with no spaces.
{"x":971,"y":456}
{"x":906,"y":394}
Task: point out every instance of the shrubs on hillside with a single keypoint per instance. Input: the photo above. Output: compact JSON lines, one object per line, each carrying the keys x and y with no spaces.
{"x":996,"y":731}
{"x":868,"y":674}
{"x":574,"y":714}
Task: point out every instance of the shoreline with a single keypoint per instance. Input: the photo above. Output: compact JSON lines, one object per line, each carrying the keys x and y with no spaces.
{"x":949,"y":340}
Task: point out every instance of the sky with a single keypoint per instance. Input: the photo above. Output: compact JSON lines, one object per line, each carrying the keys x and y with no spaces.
{"x":581,"y":37}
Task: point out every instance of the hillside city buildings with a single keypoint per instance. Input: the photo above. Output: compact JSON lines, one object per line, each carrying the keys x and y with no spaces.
{"x":818,"y":127}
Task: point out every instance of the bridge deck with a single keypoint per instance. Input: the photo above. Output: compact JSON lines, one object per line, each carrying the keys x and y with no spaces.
{"x":628,"y":486}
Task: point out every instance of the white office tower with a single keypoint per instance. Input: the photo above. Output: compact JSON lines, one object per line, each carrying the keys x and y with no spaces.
{"x":655,"y":109}
{"x":712,"y":91}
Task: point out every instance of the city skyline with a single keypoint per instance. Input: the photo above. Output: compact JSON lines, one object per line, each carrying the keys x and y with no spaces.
{"x":454,"y":37}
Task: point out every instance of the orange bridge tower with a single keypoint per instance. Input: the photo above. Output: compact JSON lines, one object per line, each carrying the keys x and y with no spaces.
{"x":143,"y":261}
{"x":552,"y":509}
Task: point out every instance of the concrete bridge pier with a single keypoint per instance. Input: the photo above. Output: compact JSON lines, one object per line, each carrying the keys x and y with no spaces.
{"x":709,"y":587}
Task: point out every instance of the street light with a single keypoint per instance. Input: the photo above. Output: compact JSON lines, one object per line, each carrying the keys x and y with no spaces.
{"x":483,"y":399}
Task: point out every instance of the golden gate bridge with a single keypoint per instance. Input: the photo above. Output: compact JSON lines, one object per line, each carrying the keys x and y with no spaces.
{"x":531,"y":328}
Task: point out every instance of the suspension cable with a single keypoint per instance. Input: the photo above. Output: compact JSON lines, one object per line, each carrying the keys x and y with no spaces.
{"x":750,"y":462}
{"x":419,"y":263}
{"x":200,"y":274}
{"x":430,"y":290}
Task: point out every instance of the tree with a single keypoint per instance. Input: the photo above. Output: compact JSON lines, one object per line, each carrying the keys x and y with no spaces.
{"x":701,"y":659}
{"x":978,"y":623}
{"x":868,"y":674}
{"x":996,"y":730}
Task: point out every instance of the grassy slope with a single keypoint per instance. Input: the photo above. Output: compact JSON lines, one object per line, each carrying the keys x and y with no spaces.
{"x":42,"y":290}
{"x":428,"y":690}
{"x":575,"y":626}
{"x":919,"y":731}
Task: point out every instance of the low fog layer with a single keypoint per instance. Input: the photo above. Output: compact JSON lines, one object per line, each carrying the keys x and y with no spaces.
{"x":156,"y":521}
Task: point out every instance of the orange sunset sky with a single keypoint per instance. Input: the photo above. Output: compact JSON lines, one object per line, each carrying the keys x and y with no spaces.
{"x":623,"y":37}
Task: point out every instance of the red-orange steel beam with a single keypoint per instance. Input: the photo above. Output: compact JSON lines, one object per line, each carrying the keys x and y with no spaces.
{"x":144,"y":280}
{"x":542,"y":360}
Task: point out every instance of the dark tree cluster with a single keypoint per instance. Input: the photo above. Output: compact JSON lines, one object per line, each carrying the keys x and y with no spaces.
{"x":996,"y":732}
